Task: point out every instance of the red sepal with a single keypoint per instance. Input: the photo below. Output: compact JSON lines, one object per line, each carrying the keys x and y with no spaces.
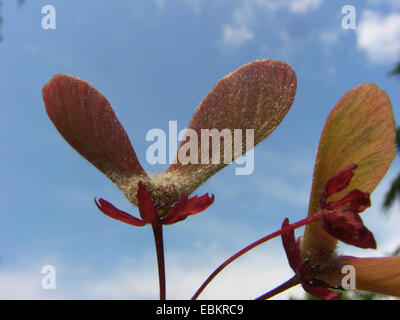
{"x":293,"y":253}
{"x":146,"y":208}
{"x":186,"y":207}
{"x":113,"y":212}
{"x":349,"y":228}
{"x":355,"y":201}
{"x":303,"y":272}
{"x":337,"y":182}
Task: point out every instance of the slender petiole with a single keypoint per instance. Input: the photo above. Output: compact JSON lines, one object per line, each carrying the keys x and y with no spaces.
{"x":158,"y":238}
{"x":275,"y":234}
{"x":294,"y":281}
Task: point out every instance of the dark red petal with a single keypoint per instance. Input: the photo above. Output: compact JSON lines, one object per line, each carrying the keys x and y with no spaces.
{"x":113,"y":212}
{"x":349,"y":228}
{"x":321,"y":292}
{"x":355,"y":201}
{"x":146,"y":208}
{"x":186,"y":207}
{"x":86,"y":120}
{"x":293,"y":253}
{"x":337,"y":182}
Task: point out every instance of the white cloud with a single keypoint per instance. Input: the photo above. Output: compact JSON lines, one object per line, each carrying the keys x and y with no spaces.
{"x":195,"y":5}
{"x":294,"y":6}
{"x":160,"y":4}
{"x":392,"y":3}
{"x":329,"y":37}
{"x":379,"y":36}
{"x":24,"y":280}
{"x":19,"y":286}
{"x":302,"y":6}
{"x":236,"y":35}
{"x":245,"y":279}
{"x":239,"y":31}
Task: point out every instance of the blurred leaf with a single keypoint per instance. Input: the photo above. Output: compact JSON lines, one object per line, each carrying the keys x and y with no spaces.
{"x":396,"y":252}
{"x":395,"y":71}
{"x":392,"y":193}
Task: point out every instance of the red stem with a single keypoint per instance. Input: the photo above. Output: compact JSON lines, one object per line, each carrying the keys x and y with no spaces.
{"x":158,"y":238}
{"x":283,"y":287}
{"x":290,"y":227}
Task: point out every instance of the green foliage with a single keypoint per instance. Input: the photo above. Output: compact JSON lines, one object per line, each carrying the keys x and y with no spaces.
{"x":352,"y":295}
{"x":392,"y":193}
{"x":394,"y":190}
{"x":396,"y":70}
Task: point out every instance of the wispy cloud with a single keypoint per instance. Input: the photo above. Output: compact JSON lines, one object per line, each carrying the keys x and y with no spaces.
{"x":379,"y":36}
{"x":239,"y":30}
{"x":131,"y":278}
{"x":391,"y":3}
{"x":19,"y":285}
{"x":245,"y":279}
{"x":287,"y":180}
{"x":329,"y":37}
{"x":294,"y":6}
{"x":302,"y":6}
{"x":236,"y":35}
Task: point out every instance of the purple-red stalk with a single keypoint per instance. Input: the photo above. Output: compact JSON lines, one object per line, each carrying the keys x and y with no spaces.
{"x":294,"y":281}
{"x":158,"y":238}
{"x":275,"y":234}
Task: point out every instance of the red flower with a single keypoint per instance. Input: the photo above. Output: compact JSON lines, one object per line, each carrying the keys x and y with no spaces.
{"x":304,"y":272}
{"x":151,"y":214}
{"x":359,"y":130}
{"x":340,"y":219}
{"x":256,"y":96}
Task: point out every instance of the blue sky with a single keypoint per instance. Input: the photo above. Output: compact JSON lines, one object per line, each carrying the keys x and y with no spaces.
{"x":155,"y":61}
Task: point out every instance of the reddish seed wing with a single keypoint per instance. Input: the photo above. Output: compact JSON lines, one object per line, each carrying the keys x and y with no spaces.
{"x":380,"y":275}
{"x":255,"y":96}
{"x":86,"y":120}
